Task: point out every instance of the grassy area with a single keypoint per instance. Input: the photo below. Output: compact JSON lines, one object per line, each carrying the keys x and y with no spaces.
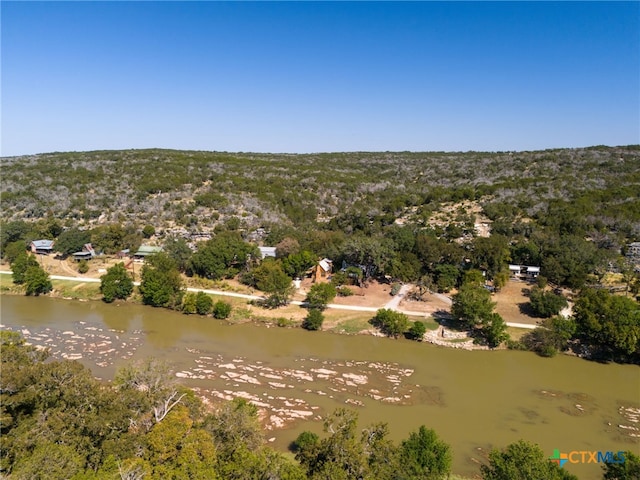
{"x":429,"y":322}
{"x":352,"y":325}
{"x":516,"y":333}
{"x":75,"y":290}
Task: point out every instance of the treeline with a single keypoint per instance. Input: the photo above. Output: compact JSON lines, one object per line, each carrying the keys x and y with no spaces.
{"x":58,"y":422}
{"x":202,"y":189}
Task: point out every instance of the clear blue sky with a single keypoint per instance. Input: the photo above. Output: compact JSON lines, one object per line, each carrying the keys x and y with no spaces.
{"x":319,"y":77}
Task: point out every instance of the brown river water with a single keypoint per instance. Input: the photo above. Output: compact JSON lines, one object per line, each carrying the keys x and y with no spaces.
{"x":475,"y":400}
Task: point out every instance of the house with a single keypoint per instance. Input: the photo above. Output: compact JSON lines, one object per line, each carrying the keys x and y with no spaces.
{"x":322,"y":270}
{"x":146,"y":250}
{"x":87,"y":253}
{"x":267,"y":252}
{"x":42,"y":247}
{"x":526,"y":272}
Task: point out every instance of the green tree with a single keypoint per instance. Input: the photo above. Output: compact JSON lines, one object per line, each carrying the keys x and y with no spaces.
{"x":116,"y":283}
{"x":148,"y":231}
{"x":551,"y":337}
{"x":609,"y":324}
{"x":222,"y":257}
{"x":161,"y":285}
{"x":320,"y":294}
{"x":20,"y":265}
{"x":340,"y":456}
{"x":72,"y":240}
{"x":424,"y":456}
{"x":221,"y":310}
{"x":629,"y":469}
{"x":392,"y":324}
{"x":296,"y":264}
{"x":12,"y":250}
{"x":204,"y":303}
{"x":500,"y":279}
{"x":472,"y":304}
{"x":473,"y":276}
{"x":271,"y":279}
{"x":49,"y":461}
{"x":417,"y":331}
{"x":188,"y":306}
{"x":491,"y":254}
{"x":178,"y":249}
{"x":12,"y":232}
{"x":114,"y":237}
{"x":494,"y":330}
{"x":446,"y":277}
{"x":522,"y":461}
{"x":545,"y":303}
{"x":37,"y":281}
{"x":235,"y":426}
{"x":313,"y":320}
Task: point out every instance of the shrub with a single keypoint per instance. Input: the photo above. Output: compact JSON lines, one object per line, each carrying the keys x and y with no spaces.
{"x":221,"y":310}
{"x":313,"y":320}
{"x":320,"y":294}
{"x":189,"y":303}
{"x":391,"y":323}
{"x":395,"y":288}
{"x":345,"y":292}
{"x":83,"y":266}
{"x":417,"y":331}
{"x":204,"y":303}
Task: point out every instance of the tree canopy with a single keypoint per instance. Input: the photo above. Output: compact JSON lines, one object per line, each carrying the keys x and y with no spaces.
{"x":116,"y":283}
{"x":160,"y":284}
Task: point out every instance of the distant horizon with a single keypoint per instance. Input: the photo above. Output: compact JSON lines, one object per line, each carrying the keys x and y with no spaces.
{"x":318,"y":77}
{"x":315,"y":153}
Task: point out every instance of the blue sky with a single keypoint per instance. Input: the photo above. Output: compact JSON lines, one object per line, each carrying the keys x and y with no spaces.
{"x":319,"y":77}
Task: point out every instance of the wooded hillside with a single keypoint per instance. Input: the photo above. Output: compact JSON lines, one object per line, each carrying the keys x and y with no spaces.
{"x":597,"y":187}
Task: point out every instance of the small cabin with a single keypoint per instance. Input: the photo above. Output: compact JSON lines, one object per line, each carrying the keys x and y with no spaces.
{"x":322,"y":270}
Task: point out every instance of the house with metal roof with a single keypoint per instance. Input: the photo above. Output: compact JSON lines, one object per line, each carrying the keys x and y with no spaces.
{"x":42,"y":247}
{"x":87,"y":253}
{"x":146,"y":250}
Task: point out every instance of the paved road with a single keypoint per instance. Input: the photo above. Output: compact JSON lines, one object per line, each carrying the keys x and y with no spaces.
{"x":393,"y":304}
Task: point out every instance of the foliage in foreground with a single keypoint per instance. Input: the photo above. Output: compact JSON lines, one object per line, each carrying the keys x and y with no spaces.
{"x":145,"y":425}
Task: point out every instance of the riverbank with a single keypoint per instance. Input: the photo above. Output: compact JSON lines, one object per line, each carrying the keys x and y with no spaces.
{"x":339,"y":318}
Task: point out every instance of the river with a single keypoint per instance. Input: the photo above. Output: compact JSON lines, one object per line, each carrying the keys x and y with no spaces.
{"x":475,"y":400}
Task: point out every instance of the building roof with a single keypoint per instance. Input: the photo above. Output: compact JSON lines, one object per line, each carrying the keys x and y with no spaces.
{"x":514,"y":268}
{"x":533,"y":269}
{"x":267,"y":251}
{"x":325,"y":264}
{"x":43,"y":244}
{"x":146,"y":250}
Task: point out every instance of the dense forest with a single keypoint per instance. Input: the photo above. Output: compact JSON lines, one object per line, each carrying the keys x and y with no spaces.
{"x":58,"y":422}
{"x":573,"y":191}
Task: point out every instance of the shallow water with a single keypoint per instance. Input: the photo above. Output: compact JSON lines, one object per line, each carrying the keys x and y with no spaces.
{"x":474,"y":400}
